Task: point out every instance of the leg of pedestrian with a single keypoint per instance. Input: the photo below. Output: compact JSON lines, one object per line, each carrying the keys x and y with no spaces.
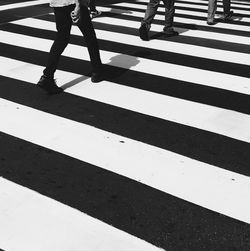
{"x":169,"y":18}
{"x":212,"y":6}
{"x":148,"y":18}
{"x":63,"y":26}
{"x":87,"y":29}
{"x":226,"y":8}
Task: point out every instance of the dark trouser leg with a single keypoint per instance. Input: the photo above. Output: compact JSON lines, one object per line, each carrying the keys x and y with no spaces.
{"x":87,"y":29}
{"x":169,"y":13}
{"x":212,"y":6}
{"x":150,"y":12}
{"x":92,"y":5}
{"x":226,"y":6}
{"x":63,"y":26}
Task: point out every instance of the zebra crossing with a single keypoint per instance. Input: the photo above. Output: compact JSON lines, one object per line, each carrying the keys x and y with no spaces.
{"x":155,"y":157}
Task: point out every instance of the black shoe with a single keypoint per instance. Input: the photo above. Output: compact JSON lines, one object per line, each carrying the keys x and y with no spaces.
{"x":49,"y":85}
{"x":227,"y":17}
{"x":143,"y":32}
{"x":170,"y":32}
{"x":96,"y":77}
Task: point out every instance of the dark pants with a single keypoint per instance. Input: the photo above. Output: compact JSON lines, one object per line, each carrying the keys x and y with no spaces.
{"x":212,"y":6}
{"x":92,"y":6}
{"x":63,"y":26}
{"x":152,"y":8}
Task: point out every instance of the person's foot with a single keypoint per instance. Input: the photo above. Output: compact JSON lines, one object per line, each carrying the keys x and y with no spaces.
{"x":49,"y":85}
{"x":169,"y":31}
{"x":97,"y":77}
{"x":143,"y":32}
{"x":228,"y":16}
{"x":95,"y":13}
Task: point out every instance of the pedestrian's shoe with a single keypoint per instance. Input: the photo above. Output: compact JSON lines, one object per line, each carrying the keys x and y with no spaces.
{"x":95,"y":13}
{"x":97,"y":77}
{"x":49,"y":85}
{"x":170,"y":32}
{"x":210,"y":22}
{"x":228,"y":16}
{"x":143,"y":32}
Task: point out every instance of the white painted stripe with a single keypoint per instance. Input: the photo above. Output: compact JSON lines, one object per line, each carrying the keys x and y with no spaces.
{"x":30,"y":221}
{"x":186,"y":49}
{"x":243,"y":8}
{"x":208,"y":186}
{"x":190,"y":33}
{"x":180,"y":11}
{"x":242,"y":4}
{"x":205,"y":117}
{"x":184,"y":73}
{"x":177,"y":19}
{"x":22,"y":4}
{"x":221,"y":121}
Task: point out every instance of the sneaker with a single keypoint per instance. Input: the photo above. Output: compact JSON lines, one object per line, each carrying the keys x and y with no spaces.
{"x":95,"y":13}
{"x":169,"y":31}
{"x":49,"y":85}
{"x":143,"y":32}
{"x":227,"y":17}
{"x":96,"y":77}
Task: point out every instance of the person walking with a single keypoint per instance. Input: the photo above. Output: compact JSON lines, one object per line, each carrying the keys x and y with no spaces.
{"x":66,"y":13}
{"x":212,"y":6}
{"x":150,"y":14}
{"x":93,"y":11}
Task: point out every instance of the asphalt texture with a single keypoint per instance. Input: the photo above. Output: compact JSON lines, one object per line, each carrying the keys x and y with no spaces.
{"x":159,"y":218}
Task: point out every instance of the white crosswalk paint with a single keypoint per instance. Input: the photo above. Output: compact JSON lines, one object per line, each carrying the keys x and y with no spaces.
{"x":131,"y":13}
{"x":201,"y":3}
{"x":22,"y":4}
{"x":190,"y":33}
{"x":201,"y":7}
{"x":178,"y":11}
{"x":51,"y":225}
{"x":205,"y":185}
{"x":191,"y":50}
{"x":221,"y":121}
{"x":217,"y":189}
{"x":173,"y":71}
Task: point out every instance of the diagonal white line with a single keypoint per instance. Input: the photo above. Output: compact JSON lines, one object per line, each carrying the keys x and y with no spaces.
{"x":177,"y":19}
{"x":186,"y":49}
{"x":180,"y":11}
{"x":22,"y":4}
{"x":217,"y":120}
{"x":173,"y":71}
{"x":185,"y":32}
{"x":205,"y":185}
{"x":30,"y":221}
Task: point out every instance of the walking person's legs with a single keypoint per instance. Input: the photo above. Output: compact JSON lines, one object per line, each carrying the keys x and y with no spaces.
{"x":226,"y":8}
{"x":148,"y":18}
{"x":212,"y":6}
{"x":169,"y":17}
{"x":87,"y":29}
{"x":63,"y":26}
